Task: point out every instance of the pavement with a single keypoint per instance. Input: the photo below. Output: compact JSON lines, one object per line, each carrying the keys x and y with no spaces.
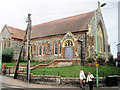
{"x":8,"y":83}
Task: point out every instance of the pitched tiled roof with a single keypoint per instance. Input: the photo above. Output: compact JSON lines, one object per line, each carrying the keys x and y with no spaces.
{"x":61,"y":26}
{"x":16,"y":33}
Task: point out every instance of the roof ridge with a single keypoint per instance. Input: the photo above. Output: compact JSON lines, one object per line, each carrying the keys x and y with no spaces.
{"x":62,"y":18}
{"x":16,"y":28}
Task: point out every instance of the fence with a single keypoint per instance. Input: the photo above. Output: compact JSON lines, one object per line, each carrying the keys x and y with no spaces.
{"x":8,"y":70}
{"x":11,"y":70}
{"x":65,"y":74}
{"x":54,"y":77}
{"x":57,"y":73}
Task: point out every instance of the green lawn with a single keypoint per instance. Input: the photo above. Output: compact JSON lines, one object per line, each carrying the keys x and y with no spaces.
{"x":73,"y":71}
{"x":24,"y":63}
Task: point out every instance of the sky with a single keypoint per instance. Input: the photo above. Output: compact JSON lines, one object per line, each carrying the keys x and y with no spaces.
{"x":14,"y":13}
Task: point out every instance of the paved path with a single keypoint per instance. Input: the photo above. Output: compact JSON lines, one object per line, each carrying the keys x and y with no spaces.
{"x":15,"y":83}
{"x":8,"y":82}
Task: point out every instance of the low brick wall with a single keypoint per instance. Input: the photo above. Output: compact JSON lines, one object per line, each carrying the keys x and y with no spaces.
{"x":8,"y":70}
{"x":55,"y":80}
{"x":22,"y":76}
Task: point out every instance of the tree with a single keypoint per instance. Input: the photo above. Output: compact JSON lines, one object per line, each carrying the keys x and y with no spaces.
{"x":7,"y":55}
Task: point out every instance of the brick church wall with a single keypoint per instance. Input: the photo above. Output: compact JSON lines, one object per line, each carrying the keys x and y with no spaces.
{"x":16,"y":45}
{"x":49,"y":55}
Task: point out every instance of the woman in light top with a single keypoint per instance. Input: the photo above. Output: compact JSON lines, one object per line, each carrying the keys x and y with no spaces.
{"x":90,"y":78}
{"x":82,"y":76}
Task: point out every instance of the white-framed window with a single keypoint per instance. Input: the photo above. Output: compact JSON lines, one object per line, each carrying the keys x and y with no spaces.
{"x":55,"y":49}
{"x":39,"y":50}
{"x":43,"y":49}
{"x":59,"y":48}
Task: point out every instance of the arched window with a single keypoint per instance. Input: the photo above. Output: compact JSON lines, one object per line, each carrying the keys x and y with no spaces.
{"x":100,"y":39}
{"x":39,"y":49}
{"x":43,"y":49}
{"x":55,"y":48}
{"x":68,"y":43}
{"x":34,"y":47}
{"x":59,"y":48}
{"x":6,"y":44}
{"x":9,"y":42}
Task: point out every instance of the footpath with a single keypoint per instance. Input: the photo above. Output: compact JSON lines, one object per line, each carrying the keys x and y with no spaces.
{"x":8,"y":83}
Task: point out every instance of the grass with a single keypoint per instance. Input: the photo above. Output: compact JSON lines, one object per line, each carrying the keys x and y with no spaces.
{"x":24,"y":63}
{"x":73,"y":71}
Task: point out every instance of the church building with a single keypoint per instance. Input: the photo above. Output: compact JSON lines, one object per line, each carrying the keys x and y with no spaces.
{"x":70,"y":38}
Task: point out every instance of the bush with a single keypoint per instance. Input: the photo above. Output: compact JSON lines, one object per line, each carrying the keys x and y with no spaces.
{"x":7,"y":55}
{"x":24,"y":60}
{"x":111,"y":61}
{"x":90,"y":59}
{"x":100,"y":60}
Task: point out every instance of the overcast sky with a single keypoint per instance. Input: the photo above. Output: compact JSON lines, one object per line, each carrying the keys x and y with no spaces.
{"x":14,"y":13}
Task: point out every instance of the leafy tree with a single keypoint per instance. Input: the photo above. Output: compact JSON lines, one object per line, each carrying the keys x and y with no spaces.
{"x":7,"y":55}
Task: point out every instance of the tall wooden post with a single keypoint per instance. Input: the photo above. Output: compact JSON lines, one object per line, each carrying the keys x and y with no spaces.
{"x":28,"y":47}
{"x":17,"y":66}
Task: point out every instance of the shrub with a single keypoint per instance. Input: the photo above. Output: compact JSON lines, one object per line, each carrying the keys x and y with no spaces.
{"x":100,"y":60}
{"x":111,"y":61}
{"x":7,"y":55}
{"x":90,"y":59}
{"x":24,"y":60}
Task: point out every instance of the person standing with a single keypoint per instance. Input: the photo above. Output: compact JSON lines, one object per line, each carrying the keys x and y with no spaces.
{"x":90,"y":78}
{"x":82,"y":76}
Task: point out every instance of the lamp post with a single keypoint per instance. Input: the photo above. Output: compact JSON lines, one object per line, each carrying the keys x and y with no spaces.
{"x":96,"y":37}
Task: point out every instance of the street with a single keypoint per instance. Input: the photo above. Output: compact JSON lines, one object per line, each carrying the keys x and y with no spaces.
{"x":9,"y":83}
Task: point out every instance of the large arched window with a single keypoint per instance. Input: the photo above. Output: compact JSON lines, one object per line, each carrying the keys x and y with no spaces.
{"x":55,"y":49}
{"x":43,"y":49}
{"x":59,"y":48}
{"x":100,"y":39}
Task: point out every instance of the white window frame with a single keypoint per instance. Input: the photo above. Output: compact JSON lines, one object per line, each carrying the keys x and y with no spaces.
{"x":43,"y":49}
{"x":59,"y":48}
{"x":55,"y":49}
{"x":39,"y":50}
